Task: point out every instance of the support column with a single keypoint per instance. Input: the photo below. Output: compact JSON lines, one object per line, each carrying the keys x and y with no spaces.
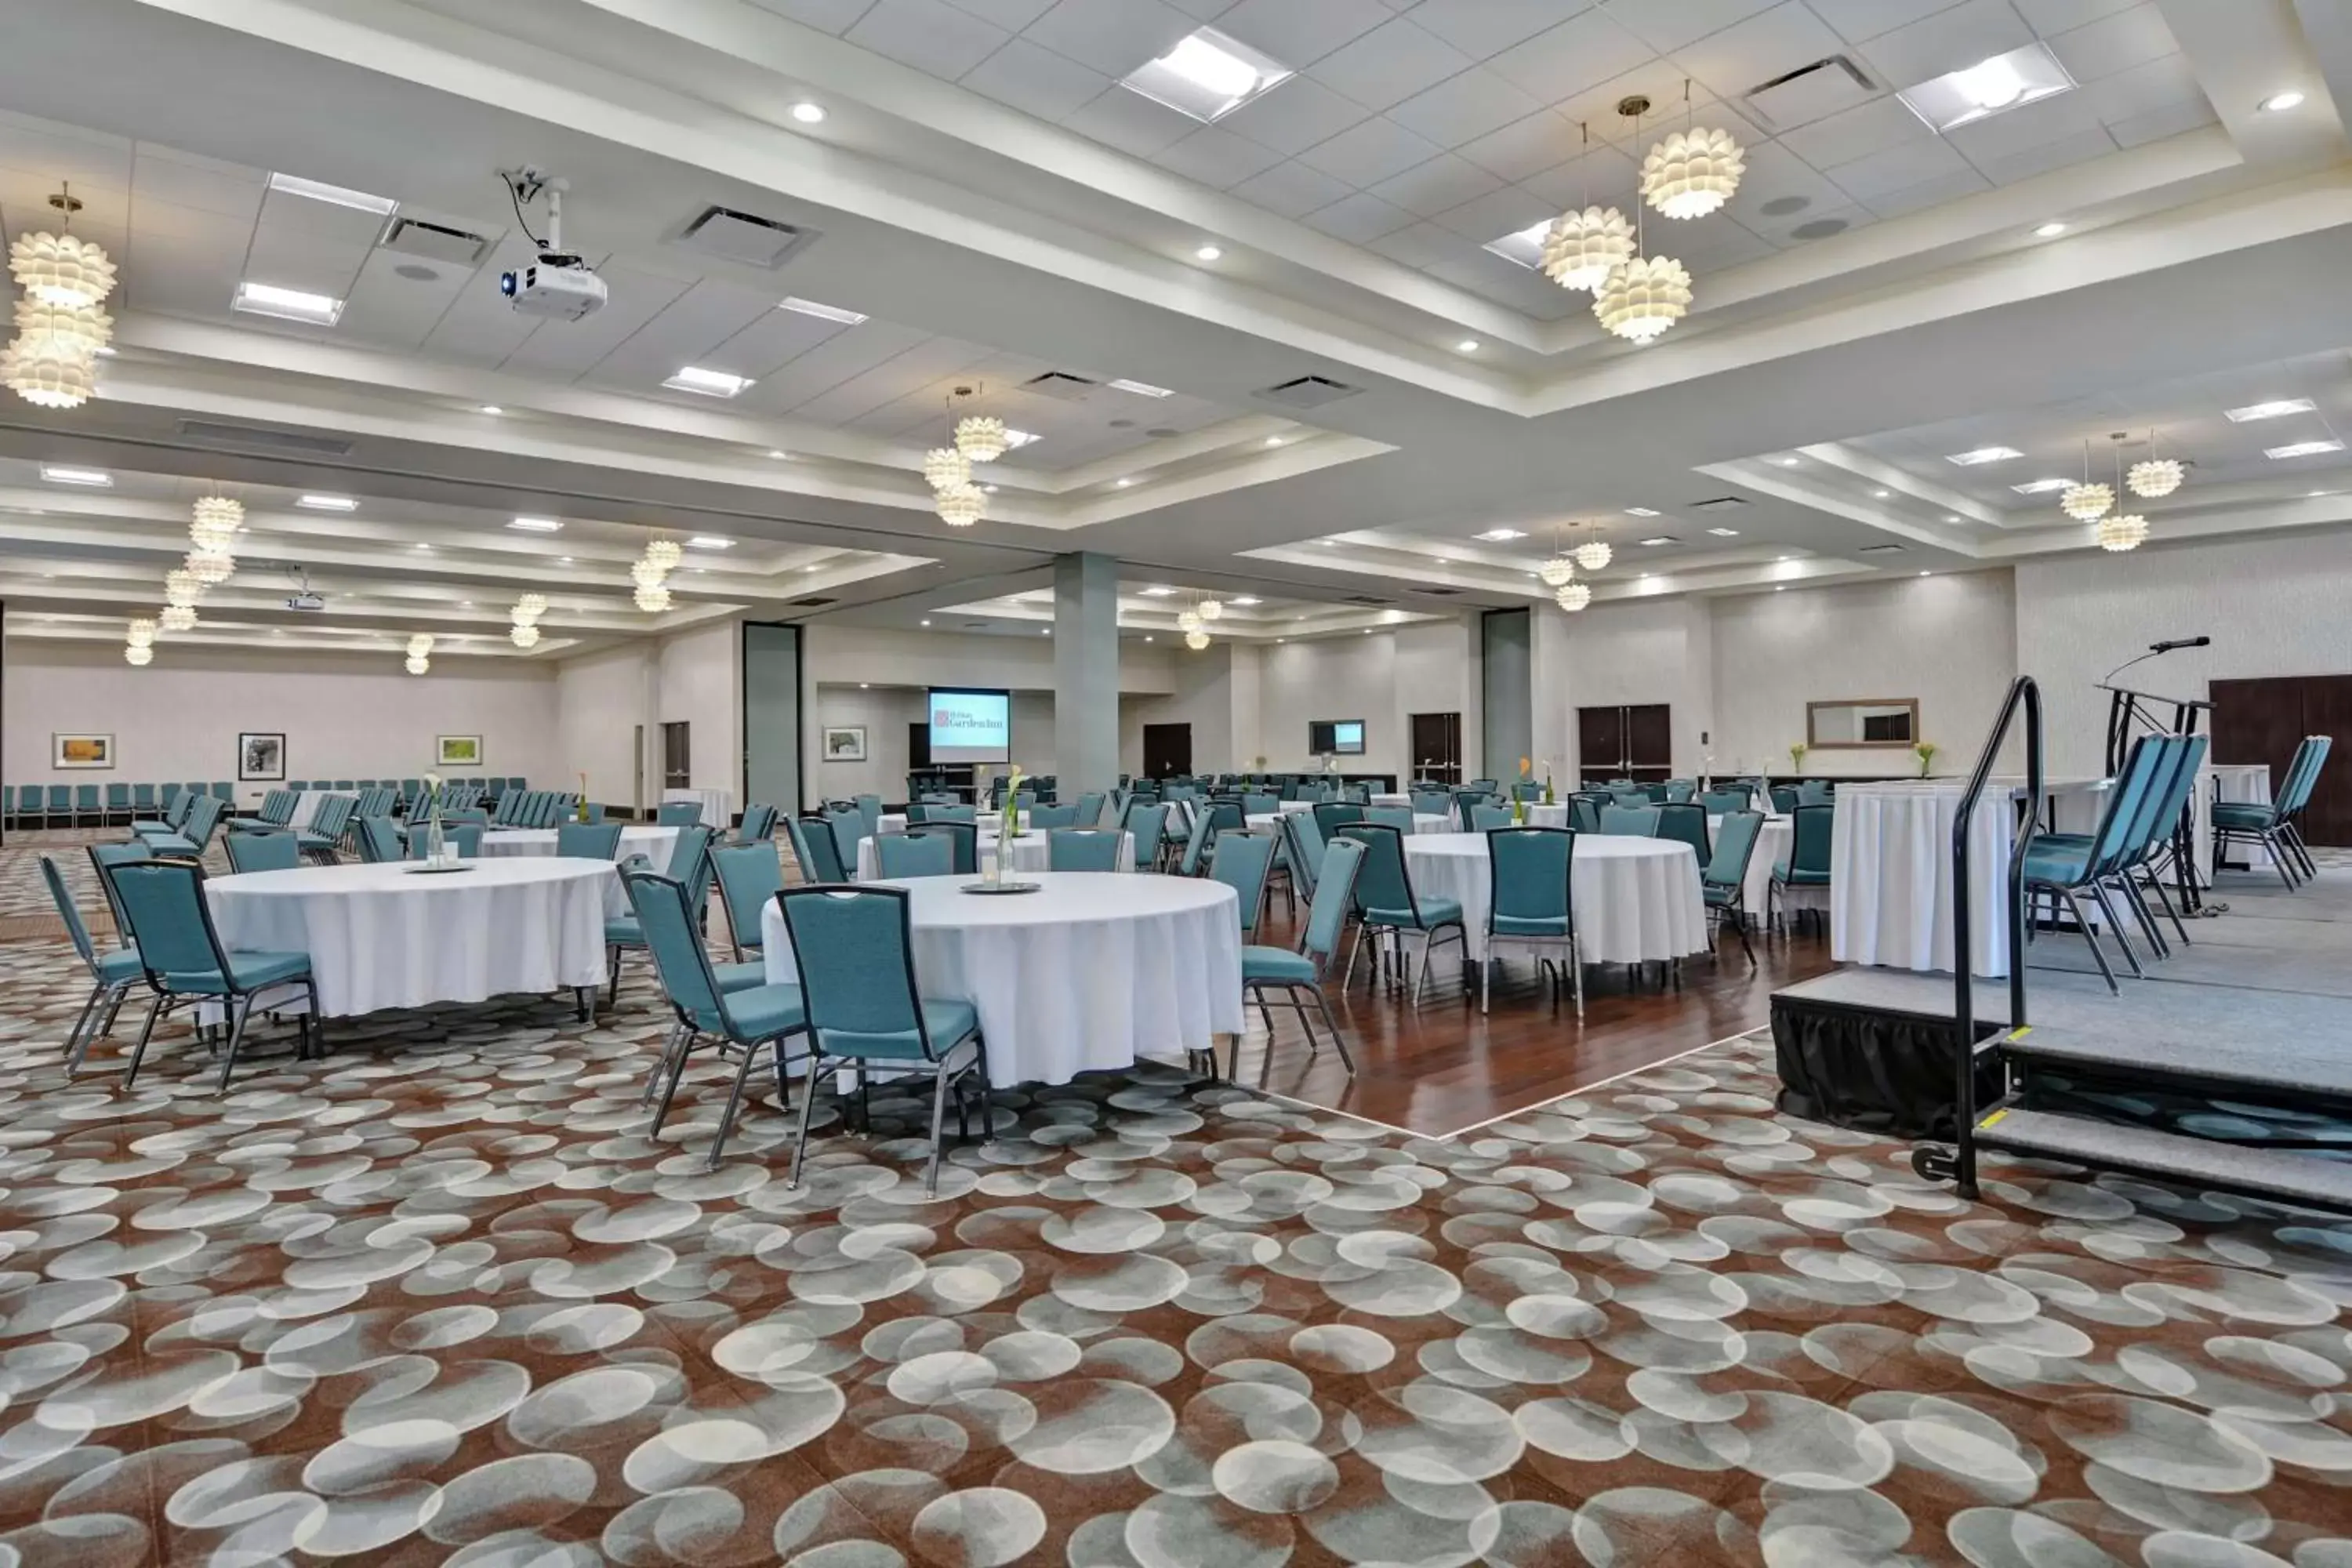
{"x":1086,"y":673}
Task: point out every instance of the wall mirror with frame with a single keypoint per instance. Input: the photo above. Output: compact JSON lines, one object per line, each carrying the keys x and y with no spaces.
{"x":1863,"y":721}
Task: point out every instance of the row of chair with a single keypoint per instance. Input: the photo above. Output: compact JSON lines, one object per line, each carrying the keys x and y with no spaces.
{"x":2114,"y":860}
{"x":96,"y":805}
{"x":2277,"y":827}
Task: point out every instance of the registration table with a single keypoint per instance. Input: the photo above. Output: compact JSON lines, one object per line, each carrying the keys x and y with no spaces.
{"x":1637,"y":899}
{"x":718,"y":805}
{"x":1031,"y":852}
{"x":387,"y":936}
{"x":1090,"y":972}
{"x":652,"y":842}
{"x":1891,"y":876}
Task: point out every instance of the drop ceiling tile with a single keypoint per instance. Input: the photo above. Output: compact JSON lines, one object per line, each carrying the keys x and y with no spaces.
{"x":187,"y":262}
{"x":1036,"y":81}
{"x":1811,"y":225}
{"x":1670,"y":24}
{"x":929,"y":35}
{"x":327,"y":220}
{"x":2159,"y":123}
{"x":1855,"y":133}
{"x":1291,"y":190}
{"x":481,"y":327}
{"x":828,"y":364}
{"x":1660,"y":81}
{"x":1716,"y":247}
{"x":1295,"y":116}
{"x":2051,"y":17}
{"x":2166,"y":83}
{"x":1933,"y":193}
{"x":1360,"y":217}
{"x":833,"y":15}
{"x":1858,"y":21}
{"x":1525,"y":147}
{"x":1388,"y":64}
{"x":204,"y":183}
{"x":295,"y":259}
{"x":1490,"y":277}
{"x":1563,"y":61}
{"x":705,"y":316}
{"x":1602,"y":177}
{"x":895,"y":378}
{"x":1114,"y":36}
{"x":2019,"y":130}
{"x":1301,"y":32}
{"x":2066,"y":151}
{"x":2116,"y":43}
{"x":1778,"y":188}
{"x":1444,"y":181}
{"x":1130,"y":122}
{"x":1370,"y":152}
{"x":1748,"y":54}
{"x":1217,"y":158}
{"x":1898,"y":168}
{"x":1482,"y":28}
{"x":1204,"y":10}
{"x":1424,"y":245}
{"x":1491,"y":217}
{"x":1009,"y":14}
{"x":1948,"y":41}
{"x":766,"y":344}
{"x":1464,"y":108}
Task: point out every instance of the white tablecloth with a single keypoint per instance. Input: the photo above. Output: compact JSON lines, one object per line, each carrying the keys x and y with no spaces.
{"x":307,"y":803}
{"x":652,"y":842}
{"x":1092,"y":972}
{"x":718,"y":805}
{"x":1637,"y":899}
{"x":1422,"y":822}
{"x":1031,"y":852}
{"x":383,"y":936}
{"x":1891,"y":876}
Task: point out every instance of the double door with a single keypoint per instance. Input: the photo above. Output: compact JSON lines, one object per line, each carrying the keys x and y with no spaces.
{"x":2265,"y":721}
{"x":1437,"y":747}
{"x":1632,"y":741}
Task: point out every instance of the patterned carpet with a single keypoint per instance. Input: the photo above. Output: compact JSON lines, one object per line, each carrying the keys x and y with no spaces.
{"x":435,"y":1299}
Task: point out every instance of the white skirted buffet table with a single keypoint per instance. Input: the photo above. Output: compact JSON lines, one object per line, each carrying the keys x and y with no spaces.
{"x":1891,"y":876}
{"x":1637,"y":899}
{"x":390,"y":936}
{"x":1091,"y":971}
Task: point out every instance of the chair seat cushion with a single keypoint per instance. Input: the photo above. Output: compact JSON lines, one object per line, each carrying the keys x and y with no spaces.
{"x":1276,"y":966}
{"x":1434,"y":912}
{"x":2240,"y":814}
{"x":735,"y":977}
{"x":947,"y":1020}
{"x":248,"y":970}
{"x":171,"y":844}
{"x":142,"y":828}
{"x":1719,"y":894}
{"x":2055,"y":863}
{"x":622,"y":930}
{"x":120,"y":967}
{"x":1530,"y":925}
{"x":309,"y":840}
{"x":758,"y":1011}
{"x":1780,"y":873}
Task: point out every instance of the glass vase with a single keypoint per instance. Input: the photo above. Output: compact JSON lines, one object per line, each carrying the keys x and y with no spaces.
{"x":437,"y":851}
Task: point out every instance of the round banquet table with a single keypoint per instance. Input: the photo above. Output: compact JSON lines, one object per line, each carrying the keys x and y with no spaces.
{"x":718,"y":805}
{"x":1091,"y":971}
{"x":384,"y":936}
{"x":1891,"y":876}
{"x":1031,"y":852}
{"x":1637,"y":899}
{"x":652,"y":842}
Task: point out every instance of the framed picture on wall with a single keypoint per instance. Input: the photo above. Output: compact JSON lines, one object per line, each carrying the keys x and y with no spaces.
{"x":261,"y":756}
{"x":458,"y":750}
{"x":844,"y":743}
{"x":98,"y":750}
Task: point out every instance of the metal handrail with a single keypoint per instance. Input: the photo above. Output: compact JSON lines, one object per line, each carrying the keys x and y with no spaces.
{"x":2023,"y":691}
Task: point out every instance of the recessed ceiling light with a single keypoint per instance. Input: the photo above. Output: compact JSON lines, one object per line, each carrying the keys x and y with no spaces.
{"x":287,"y":304}
{"x":709,"y":383}
{"x":1468,"y":346}
{"x":1046,"y":633}
{"x":1208,"y":253}
{"x":337,"y":195}
{"x":327,"y":503}
{"x":811,"y":567}
{"x":1158,"y":591}
{"x":1725,"y":532}
{"x":2042,"y":486}
{"x":1779,"y":587}
{"x":1014,"y":439}
{"x":779,"y":454}
{"x":1640,"y":512}
{"x":537,"y":525}
{"x":1881,"y":495}
{"x":1987,"y":88}
{"x":924,"y":622}
{"x":988,"y":489}
{"x":1949,"y":517}
{"x":2051,"y":230}
{"x":1779,"y":558}
{"x":1273,"y":440}
{"x":1245,"y":599}
{"x":1498,"y":535}
{"x":2279,"y":102}
{"x":1923,"y":574}
{"x":61,"y":474}
{"x":2304,"y":449}
{"x":425,"y":547}
{"x":1659,"y":539}
{"x":822,"y":313}
{"x":1207,"y":75}
{"x":2314,"y":495}
{"x":1788,"y":462}
{"x":1971,"y":459}
{"x":489,"y":408}
{"x":564,"y":561}
{"x":1141,"y":388}
{"x":709,"y":541}
{"x":1123,"y":483}
{"x":1146,"y":637}
{"x":2274,"y":408}
{"x":465,"y":604}
{"x":808,"y":114}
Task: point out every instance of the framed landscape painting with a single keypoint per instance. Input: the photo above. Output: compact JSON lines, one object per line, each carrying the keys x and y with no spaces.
{"x":845,"y":743}
{"x":261,"y":756}
{"x":81,"y":751}
{"x":458,"y":750}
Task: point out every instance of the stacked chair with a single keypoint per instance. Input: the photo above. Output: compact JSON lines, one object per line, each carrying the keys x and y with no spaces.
{"x":2273,"y":825}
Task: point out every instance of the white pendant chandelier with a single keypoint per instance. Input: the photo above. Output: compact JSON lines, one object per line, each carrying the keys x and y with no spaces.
{"x":177,"y":618}
{"x":217,"y":521}
{"x":1694,"y":171}
{"x":646,"y":573}
{"x":139,"y":632}
{"x":2086,"y":502}
{"x":420,"y":645}
{"x":181,"y":588}
{"x":1643,"y":294}
{"x":524,"y":635}
{"x":665,"y":553}
{"x":1594,"y":553}
{"x":962,"y":506}
{"x":416,"y":664}
{"x":61,"y":268}
{"x":981,"y":438}
{"x":1574,"y":596}
{"x":529,"y":608}
{"x":654,"y":599}
{"x":47,"y":383}
{"x":209,"y":568}
{"x":1188,"y":621}
{"x":1584,"y":245}
{"x":139,"y":656}
{"x":1558,"y":573}
{"x":1196,"y":641}
{"x":946,"y":468}
{"x":2156,"y":477}
{"x":2122,"y":531}
{"x":53,"y":362}
{"x":1210,"y":609}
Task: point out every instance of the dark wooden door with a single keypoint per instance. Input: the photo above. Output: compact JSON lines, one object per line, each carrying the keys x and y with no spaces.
{"x":1437,"y":747}
{"x":2265,"y":721}
{"x":1635,"y":741}
{"x":1650,"y":742}
{"x":919,"y":746}
{"x":1601,"y":754}
{"x":1167,"y":750}
{"x":677,"y":757}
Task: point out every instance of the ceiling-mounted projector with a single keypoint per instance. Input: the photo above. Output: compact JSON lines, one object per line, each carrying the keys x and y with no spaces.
{"x":559,"y":286}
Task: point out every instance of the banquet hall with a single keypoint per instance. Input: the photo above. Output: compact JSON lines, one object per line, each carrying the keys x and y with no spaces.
{"x":1169,"y":784}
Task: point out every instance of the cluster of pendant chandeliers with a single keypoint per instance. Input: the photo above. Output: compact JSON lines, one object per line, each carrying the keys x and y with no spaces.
{"x":420,"y":653}
{"x":1194,"y":622}
{"x":2094,"y":501}
{"x":211,"y":562}
{"x":525,"y":615}
{"x":651,"y":575}
{"x":1559,"y":574}
{"x":1635,"y":295}
{"x":60,"y":329}
{"x":978,"y":439}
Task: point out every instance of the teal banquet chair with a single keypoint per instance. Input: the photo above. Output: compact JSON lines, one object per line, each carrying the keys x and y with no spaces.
{"x":1300,"y":974}
{"x":677,"y":813}
{"x":262,"y":852}
{"x":183,"y":959}
{"x":112,"y":974}
{"x":813,"y":847}
{"x":465,"y":837}
{"x":1531,"y":902}
{"x":1812,"y":829}
{"x":898,"y":855}
{"x":1388,"y":909}
{"x":588,"y":840}
{"x":1082,"y":850}
{"x":1243,"y":860}
{"x":690,"y":867}
{"x":749,"y":876}
{"x":1723,"y":882}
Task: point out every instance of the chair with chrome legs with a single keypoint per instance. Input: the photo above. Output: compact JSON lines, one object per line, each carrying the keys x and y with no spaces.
{"x":1298,"y":976}
{"x":112,"y":974}
{"x":749,"y":876}
{"x":182,"y":960}
{"x":689,"y":866}
{"x":1723,"y":881}
{"x":853,"y":949}
{"x":2059,"y":869}
{"x":1811,"y":833}
{"x":1389,"y":909}
{"x":743,"y":1017}
{"x":1531,"y":903}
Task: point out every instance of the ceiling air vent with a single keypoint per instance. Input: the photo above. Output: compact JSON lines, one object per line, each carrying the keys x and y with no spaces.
{"x":743,"y":237}
{"x":1059,"y":383}
{"x":1365,"y":599}
{"x":815,"y":602}
{"x":1879,"y":550}
{"x":1440,"y":592}
{"x":254,"y":438}
{"x":434,"y":242}
{"x":1720,"y":504}
{"x":1809,"y":93}
{"x":1307,"y":392}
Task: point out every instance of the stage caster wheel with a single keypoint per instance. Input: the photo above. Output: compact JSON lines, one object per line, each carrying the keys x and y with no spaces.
{"x":1935,"y":1164}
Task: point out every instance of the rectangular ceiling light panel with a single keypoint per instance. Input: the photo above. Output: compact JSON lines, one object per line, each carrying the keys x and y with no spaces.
{"x":1984,"y":455}
{"x":287,"y":304}
{"x":2271,"y":410}
{"x":1987,"y":88}
{"x":1207,"y":75}
{"x":336,"y":195}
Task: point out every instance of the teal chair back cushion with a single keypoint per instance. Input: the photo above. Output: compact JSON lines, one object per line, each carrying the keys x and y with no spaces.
{"x":1334,"y":882}
{"x":1242,"y":863}
{"x":1528,"y":872}
{"x":588,"y":840}
{"x":1734,"y":845}
{"x":907,"y":855}
{"x":263,"y":852}
{"x":66,"y":913}
{"x":1082,"y":850}
{"x":164,"y":903}
{"x":1685,"y":822}
{"x":689,"y":864}
{"x":1810,"y":838}
{"x":749,"y":876}
{"x":665,"y":918}
{"x":1630,"y":821}
{"x":813,"y":847}
{"x":856,"y":969}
